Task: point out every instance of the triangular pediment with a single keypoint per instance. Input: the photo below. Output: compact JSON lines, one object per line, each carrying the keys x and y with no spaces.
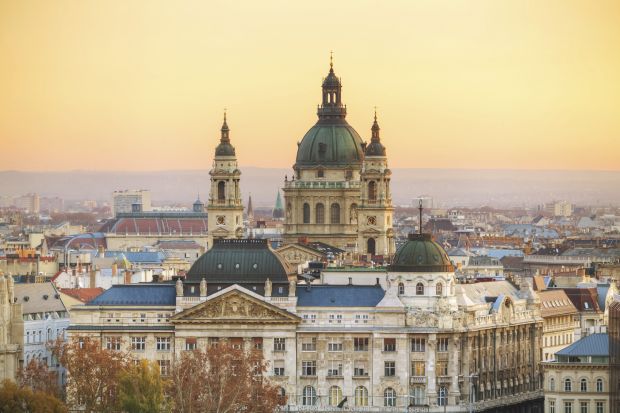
{"x":220,"y":230}
{"x":300,"y":248}
{"x":234,"y":306}
{"x":371,"y":231}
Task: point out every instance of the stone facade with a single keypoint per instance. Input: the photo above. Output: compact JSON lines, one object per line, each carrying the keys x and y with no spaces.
{"x":11,"y":330}
{"x":225,"y":207}
{"x":339,"y":193}
{"x":411,"y":345}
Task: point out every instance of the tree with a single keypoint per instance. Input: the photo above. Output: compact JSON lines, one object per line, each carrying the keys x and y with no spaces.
{"x":92,"y":373}
{"x":38,"y":377}
{"x":141,"y":389}
{"x":14,"y":399}
{"x":222,"y":379}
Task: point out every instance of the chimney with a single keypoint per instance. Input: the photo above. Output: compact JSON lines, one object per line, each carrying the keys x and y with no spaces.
{"x":127,"y":277}
{"x":377,"y":283}
{"x":350,"y":280}
{"x":93,"y":275}
{"x":101,"y":251}
{"x":114,"y":270}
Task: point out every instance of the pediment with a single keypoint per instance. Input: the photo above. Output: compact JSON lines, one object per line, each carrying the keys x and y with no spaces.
{"x":234,"y":306}
{"x":220,"y":230}
{"x":299,"y":248}
{"x":371,"y":231}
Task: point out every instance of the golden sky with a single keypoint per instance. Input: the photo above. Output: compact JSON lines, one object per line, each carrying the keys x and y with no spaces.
{"x":141,"y":85}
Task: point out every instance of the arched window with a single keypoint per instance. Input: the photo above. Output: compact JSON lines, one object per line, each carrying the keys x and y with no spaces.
{"x":320,"y":213}
{"x":281,"y":395}
{"x":335,"y":395}
{"x":568,"y":385}
{"x":419,"y":289}
{"x":442,"y":396}
{"x":306,"y":213}
{"x":361,"y":396}
{"x":371,"y":246}
{"x":335,"y":213}
{"x":584,"y":385}
{"x":308,"y":396}
{"x":599,"y":385}
{"x":417,"y":396}
{"x":389,"y":397}
{"x":552,"y":384}
{"x":372,"y":191}
{"x":401,"y":289}
{"x":439,"y":289}
{"x":221,"y":191}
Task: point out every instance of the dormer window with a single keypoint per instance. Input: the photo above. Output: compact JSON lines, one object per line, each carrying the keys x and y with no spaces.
{"x":320,"y":173}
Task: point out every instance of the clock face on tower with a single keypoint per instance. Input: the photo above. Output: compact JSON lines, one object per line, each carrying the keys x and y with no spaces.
{"x":372,"y":220}
{"x":220,"y":220}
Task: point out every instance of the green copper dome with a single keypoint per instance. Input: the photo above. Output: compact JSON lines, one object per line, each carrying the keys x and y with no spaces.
{"x":330,"y":144}
{"x":421,"y":254}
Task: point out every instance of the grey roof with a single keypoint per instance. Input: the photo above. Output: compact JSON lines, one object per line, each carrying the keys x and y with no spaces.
{"x":120,"y":328}
{"x":240,"y":261}
{"x":339,"y":295}
{"x":138,"y":294}
{"x":592,"y":345}
{"x":38,"y":298}
{"x":602,"y":290}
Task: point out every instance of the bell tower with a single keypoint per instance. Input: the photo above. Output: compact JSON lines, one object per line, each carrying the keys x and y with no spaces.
{"x":224,"y":207}
{"x":375,"y":233}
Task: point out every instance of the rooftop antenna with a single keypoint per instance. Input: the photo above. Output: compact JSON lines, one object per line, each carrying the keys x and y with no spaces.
{"x":420,"y":208}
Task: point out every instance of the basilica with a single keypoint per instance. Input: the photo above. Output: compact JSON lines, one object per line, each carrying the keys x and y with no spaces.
{"x":406,"y":337}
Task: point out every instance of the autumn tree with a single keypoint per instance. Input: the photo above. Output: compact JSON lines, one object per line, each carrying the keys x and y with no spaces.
{"x":15,"y":399}
{"x":141,"y":389}
{"x":92,"y":373}
{"x":39,"y":377}
{"x":222,"y":379}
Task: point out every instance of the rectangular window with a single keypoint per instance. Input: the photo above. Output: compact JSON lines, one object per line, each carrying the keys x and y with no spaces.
{"x":334,"y":344}
{"x":442,"y":344}
{"x":390,"y":369}
{"x":190,"y":343}
{"x":442,"y":368}
{"x":164,"y":367}
{"x":568,"y":407}
{"x":258,"y":343}
{"x":359,"y":368}
{"x":308,"y":344}
{"x":279,"y":344}
{"x":600,"y":407}
{"x":278,"y":368}
{"x":334,"y":368}
{"x":389,"y":344}
{"x":583,"y":407}
{"x":361,"y":318}
{"x":138,"y":343}
{"x":308,"y":368}
{"x":418,"y":345}
{"x":418,"y":368}
{"x":552,"y":406}
{"x":236,"y":343}
{"x":335,"y":318}
{"x":162,"y":343}
{"x":360,"y":343}
{"x":113,"y":343}
{"x":309,"y":318}
{"x":214,"y":342}
{"x":142,"y":317}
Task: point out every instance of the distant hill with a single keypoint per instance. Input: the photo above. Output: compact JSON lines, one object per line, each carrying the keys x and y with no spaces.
{"x":450,"y":187}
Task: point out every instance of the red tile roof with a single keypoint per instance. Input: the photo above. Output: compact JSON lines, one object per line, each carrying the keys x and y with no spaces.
{"x":83,"y":294}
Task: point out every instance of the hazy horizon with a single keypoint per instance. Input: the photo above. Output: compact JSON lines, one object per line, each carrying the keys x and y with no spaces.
{"x":448,"y":187}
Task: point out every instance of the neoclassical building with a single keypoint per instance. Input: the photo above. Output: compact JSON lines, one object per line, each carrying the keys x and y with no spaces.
{"x":225,"y":208}
{"x":410,"y":340}
{"x":340,"y":191}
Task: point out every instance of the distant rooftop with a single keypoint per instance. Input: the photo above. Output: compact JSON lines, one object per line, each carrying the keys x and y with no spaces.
{"x":594,"y":345}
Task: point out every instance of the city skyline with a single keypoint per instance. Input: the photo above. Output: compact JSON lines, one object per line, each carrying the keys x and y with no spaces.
{"x":464,"y":85}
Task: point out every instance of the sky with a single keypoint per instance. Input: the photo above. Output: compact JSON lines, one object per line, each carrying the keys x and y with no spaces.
{"x":142,"y":85}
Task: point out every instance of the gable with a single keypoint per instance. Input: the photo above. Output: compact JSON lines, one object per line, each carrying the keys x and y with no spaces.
{"x":234,"y":306}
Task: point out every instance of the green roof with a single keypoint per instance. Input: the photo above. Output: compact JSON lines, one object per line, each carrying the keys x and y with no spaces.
{"x":238,"y":261}
{"x":330,"y":143}
{"x":421,"y":254}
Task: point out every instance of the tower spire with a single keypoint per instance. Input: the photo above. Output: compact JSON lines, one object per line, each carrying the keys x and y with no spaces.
{"x":225,"y":130}
{"x":331,"y":61}
{"x":375,"y":129}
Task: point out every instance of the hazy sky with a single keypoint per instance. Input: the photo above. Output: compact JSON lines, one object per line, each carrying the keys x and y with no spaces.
{"x":141,"y":85}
